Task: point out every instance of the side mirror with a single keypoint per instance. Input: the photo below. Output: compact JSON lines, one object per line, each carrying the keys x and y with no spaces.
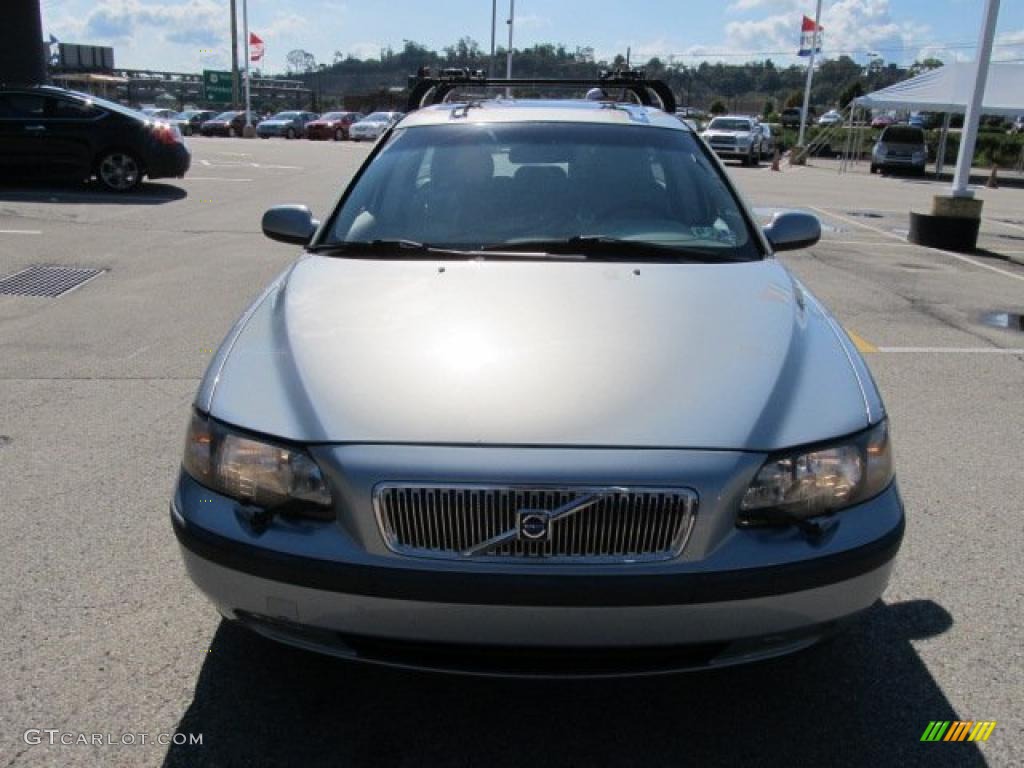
{"x":793,"y":229}
{"x":290,"y":224}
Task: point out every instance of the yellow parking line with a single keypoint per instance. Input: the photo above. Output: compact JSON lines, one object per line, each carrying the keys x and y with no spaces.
{"x":863,"y":345}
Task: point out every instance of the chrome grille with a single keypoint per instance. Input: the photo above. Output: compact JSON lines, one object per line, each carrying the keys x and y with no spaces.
{"x":453,"y":521}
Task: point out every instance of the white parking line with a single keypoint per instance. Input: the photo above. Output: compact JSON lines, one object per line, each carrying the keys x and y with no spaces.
{"x":998,"y":222}
{"x":213,"y":178}
{"x":20,"y":232}
{"x":958,"y":256}
{"x":956,"y":350}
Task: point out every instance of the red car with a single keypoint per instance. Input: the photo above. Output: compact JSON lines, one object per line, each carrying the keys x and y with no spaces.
{"x":333,"y":125}
{"x":882,"y":121}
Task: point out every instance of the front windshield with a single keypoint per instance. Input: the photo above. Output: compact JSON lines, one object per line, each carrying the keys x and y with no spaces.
{"x":379,"y":117}
{"x":729,"y":124}
{"x":285,"y":116}
{"x":225,"y":116}
{"x":333,"y":116}
{"x":490,"y":185}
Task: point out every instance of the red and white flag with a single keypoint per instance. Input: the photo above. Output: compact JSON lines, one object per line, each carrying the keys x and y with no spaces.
{"x":807,"y":37}
{"x":255,"y":48}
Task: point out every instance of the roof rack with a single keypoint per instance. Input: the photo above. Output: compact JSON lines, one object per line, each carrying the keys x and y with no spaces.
{"x":427,"y":88}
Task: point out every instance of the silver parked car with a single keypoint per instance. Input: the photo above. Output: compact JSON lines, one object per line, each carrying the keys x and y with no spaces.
{"x":900,"y":147}
{"x":735,"y":137}
{"x":538,"y":398}
{"x":373,"y":126}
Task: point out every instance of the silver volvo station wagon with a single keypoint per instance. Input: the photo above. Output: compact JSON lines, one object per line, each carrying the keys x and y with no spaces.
{"x":538,"y":399}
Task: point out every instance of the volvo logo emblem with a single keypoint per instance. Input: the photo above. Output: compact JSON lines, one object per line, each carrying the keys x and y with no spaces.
{"x":533,"y":525}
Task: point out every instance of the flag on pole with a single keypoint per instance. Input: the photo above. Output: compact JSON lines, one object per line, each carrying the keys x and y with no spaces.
{"x":255,"y":48}
{"x":807,"y":37}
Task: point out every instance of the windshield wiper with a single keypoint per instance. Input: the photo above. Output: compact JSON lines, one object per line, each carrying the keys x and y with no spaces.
{"x":399,"y":248}
{"x":606,"y":247}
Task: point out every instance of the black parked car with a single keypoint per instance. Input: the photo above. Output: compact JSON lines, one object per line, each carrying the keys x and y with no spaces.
{"x":225,"y":124}
{"x":189,"y":121}
{"x":48,"y":132}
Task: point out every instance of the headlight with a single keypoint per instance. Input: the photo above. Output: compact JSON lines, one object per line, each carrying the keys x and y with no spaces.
{"x":819,"y":482}
{"x":253,"y":471}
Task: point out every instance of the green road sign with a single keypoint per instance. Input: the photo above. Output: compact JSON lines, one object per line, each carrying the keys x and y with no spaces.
{"x":217,"y":85}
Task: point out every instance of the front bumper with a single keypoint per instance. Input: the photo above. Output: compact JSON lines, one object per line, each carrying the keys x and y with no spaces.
{"x":891,"y":161}
{"x":732,"y":152}
{"x":759,"y":593}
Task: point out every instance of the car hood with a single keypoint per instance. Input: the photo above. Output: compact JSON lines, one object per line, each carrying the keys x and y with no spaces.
{"x":730,"y":356}
{"x":369,"y":124}
{"x":275,"y":123}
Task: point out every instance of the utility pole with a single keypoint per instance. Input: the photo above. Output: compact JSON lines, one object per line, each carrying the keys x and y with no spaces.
{"x":971,"y":119}
{"x":234,"y":56}
{"x":21,"y":55}
{"x":810,"y":75}
{"x":494,"y":23}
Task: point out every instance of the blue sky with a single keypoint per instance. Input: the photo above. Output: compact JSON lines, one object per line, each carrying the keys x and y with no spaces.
{"x":187,"y":35}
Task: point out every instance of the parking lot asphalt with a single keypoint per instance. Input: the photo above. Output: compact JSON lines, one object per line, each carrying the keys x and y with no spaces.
{"x":104,"y":634}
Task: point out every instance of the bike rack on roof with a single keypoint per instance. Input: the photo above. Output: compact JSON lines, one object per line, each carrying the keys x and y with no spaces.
{"x":426,"y":89}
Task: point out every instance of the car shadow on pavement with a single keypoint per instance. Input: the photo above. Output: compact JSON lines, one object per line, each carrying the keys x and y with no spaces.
{"x":149,"y":193}
{"x":863,"y":699}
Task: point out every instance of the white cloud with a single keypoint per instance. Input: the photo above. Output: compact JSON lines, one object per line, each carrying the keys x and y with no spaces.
{"x":1010,"y":46}
{"x":364,"y":50}
{"x":741,"y":6}
{"x":532,"y":21}
{"x":194,"y":22}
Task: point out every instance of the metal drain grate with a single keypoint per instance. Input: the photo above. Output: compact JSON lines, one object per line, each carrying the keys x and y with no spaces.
{"x":47,"y":281}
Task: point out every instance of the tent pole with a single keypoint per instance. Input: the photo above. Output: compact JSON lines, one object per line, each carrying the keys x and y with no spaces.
{"x":970,"y":134}
{"x":940,"y":155}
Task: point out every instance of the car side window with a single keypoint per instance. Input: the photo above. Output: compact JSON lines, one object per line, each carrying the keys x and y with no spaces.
{"x":75,"y":110}
{"x":21,"y":105}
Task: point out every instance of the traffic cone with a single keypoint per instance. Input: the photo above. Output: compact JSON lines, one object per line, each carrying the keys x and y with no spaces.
{"x":993,"y":179}
{"x":775,"y":161}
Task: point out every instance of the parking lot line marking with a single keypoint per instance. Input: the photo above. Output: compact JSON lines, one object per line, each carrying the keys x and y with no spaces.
{"x":890,"y":235}
{"x":999,"y":223}
{"x":20,"y":232}
{"x":863,"y":345}
{"x":214,"y":178}
{"x":956,"y":350}
{"x":830,"y":241}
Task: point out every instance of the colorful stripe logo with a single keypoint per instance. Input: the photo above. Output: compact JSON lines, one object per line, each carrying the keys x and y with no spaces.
{"x":958,"y":730}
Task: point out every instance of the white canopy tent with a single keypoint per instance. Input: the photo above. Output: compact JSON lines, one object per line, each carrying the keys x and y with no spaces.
{"x":948,"y":89}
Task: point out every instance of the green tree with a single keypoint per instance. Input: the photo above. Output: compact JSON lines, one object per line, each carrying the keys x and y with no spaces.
{"x":718,"y":107}
{"x":850,"y":92}
{"x":795,"y":99}
{"x":768,"y":108}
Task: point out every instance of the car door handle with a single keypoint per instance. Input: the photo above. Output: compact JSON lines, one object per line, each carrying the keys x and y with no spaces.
{"x":35,"y":127}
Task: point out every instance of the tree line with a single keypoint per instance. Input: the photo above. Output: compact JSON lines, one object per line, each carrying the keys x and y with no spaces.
{"x":753,"y":86}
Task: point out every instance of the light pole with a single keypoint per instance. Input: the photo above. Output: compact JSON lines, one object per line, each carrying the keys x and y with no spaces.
{"x":248,"y":131}
{"x":494,"y":23}
{"x":234,"y":56}
{"x":970,"y":131}
{"x":508,"y":59}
